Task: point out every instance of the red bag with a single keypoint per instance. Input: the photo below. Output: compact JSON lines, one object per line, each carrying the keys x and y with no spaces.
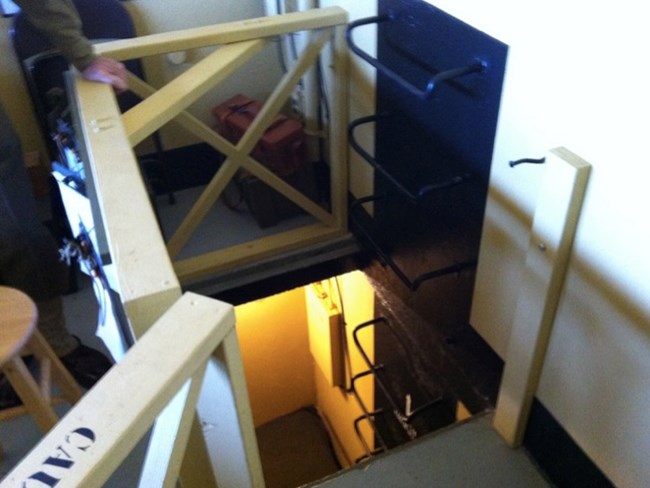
{"x":281,"y":148}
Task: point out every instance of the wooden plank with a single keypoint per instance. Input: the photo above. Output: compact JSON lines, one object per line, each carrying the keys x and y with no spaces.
{"x":553,"y":230}
{"x":134,"y":238}
{"x":170,"y":436}
{"x":234,"y":364}
{"x":92,"y":440}
{"x":162,"y":106}
{"x":250,"y":138}
{"x":201,"y":207}
{"x":223,"y":33}
{"x":194,"y":469}
{"x":339,"y":170}
{"x":236,"y":462}
{"x":198,"y":267}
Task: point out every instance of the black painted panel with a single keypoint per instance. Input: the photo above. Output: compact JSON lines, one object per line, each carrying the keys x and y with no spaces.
{"x":426,"y":142}
{"x":430,"y":141}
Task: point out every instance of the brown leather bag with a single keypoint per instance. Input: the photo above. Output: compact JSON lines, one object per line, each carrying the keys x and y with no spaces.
{"x":281,"y":148}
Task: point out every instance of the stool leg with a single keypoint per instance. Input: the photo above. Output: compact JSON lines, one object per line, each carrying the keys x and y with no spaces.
{"x":26,"y":388}
{"x":60,"y":375}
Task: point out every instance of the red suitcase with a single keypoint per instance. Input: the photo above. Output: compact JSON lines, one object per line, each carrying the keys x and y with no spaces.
{"x":281,"y":148}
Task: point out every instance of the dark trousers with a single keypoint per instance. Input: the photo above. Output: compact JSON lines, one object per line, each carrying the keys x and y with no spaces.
{"x":29,"y":258}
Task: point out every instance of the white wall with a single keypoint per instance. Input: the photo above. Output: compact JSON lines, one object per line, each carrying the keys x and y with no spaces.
{"x":575,"y":78}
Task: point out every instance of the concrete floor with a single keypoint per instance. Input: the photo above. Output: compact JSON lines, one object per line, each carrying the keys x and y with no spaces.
{"x":295,"y":449}
{"x":466,"y":455}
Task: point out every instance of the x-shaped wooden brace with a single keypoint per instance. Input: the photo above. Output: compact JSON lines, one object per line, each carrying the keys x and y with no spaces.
{"x":170,"y":101}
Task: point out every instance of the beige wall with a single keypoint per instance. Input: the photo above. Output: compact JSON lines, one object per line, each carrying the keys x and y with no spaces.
{"x":281,"y":374}
{"x":574,"y":78}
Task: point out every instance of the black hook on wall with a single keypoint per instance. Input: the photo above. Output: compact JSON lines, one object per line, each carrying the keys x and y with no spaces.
{"x":527,"y":161}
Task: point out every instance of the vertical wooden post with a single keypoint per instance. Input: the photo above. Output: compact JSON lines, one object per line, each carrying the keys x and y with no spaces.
{"x":554,"y":226}
{"x":231,"y":434}
{"x":339,"y":129}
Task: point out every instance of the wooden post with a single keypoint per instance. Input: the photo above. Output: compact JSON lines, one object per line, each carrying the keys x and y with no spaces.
{"x":236,"y":460}
{"x":338,"y":130}
{"x":554,"y":226}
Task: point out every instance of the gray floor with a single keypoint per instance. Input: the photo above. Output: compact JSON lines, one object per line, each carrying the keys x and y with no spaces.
{"x":466,"y":455}
{"x":241,"y":224}
{"x":295,"y":449}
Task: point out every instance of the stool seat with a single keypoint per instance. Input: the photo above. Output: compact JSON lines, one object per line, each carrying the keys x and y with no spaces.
{"x":19,"y":335}
{"x":19,"y":316}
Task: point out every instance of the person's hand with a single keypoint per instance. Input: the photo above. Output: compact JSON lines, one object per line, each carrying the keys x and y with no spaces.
{"x":107,"y":70}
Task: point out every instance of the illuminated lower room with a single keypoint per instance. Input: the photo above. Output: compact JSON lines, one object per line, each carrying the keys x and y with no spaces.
{"x":334,"y":378}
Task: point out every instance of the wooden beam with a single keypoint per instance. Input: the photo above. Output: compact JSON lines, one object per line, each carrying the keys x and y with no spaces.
{"x":338,"y":148}
{"x":134,"y":238}
{"x":224,"y":33}
{"x":201,"y":207}
{"x":237,"y":462}
{"x":132,"y":232}
{"x":554,"y":225}
{"x":173,"y":426}
{"x":93,"y":439}
{"x":161,"y":107}
{"x":195,"y":268}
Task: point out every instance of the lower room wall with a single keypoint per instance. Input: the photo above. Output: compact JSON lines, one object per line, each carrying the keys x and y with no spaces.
{"x":274,"y":343}
{"x":337,"y":406}
{"x":281,"y":374}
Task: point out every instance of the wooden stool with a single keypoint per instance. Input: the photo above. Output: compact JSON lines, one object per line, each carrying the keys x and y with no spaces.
{"x":19,"y":335}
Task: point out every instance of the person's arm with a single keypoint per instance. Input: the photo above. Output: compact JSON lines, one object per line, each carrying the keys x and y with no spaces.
{"x":59,"y":21}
